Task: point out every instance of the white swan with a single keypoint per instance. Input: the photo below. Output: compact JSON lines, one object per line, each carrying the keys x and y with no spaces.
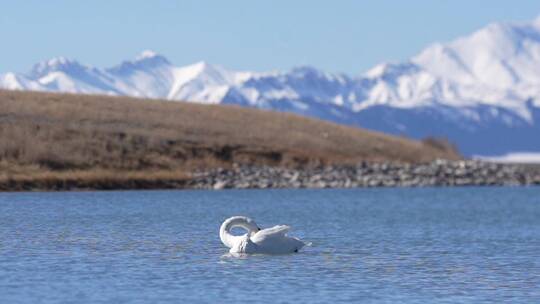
{"x":269,"y":241}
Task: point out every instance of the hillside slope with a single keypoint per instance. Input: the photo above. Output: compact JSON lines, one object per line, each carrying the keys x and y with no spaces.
{"x":63,"y":132}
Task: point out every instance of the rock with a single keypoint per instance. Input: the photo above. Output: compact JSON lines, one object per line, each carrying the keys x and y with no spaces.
{"x":219,"y":185}
{"x":437,"y":173}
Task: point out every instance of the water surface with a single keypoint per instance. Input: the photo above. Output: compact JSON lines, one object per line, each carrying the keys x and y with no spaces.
{"x":446,"y":245}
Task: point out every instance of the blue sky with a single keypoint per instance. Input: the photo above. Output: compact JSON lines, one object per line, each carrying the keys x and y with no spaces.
{"x":337,"y":36}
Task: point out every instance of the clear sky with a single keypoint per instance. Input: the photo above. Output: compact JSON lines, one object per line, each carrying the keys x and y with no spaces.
{"x":338,"y":36}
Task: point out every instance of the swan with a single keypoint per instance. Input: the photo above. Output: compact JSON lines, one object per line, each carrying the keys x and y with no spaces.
{"x":268,"y":241}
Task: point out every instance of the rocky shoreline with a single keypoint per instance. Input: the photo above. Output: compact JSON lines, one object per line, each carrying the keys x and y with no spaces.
{"x":439,"y":173}
{"x":436,"y":173}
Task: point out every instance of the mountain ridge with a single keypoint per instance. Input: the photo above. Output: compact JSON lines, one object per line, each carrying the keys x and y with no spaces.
{"x":468,"y":90}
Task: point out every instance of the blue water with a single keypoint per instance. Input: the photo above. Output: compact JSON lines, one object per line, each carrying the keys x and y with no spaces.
{"x":448,"y":245}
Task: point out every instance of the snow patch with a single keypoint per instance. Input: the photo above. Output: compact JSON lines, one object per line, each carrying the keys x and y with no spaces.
{"x":516,"y":157}
{"x":146,"y":54}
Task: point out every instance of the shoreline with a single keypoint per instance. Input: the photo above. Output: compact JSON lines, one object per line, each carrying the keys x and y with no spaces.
{"x":439,"y":173}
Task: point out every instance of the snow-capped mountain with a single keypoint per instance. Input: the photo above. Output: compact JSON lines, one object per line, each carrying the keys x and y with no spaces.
{"x":481,"y":91}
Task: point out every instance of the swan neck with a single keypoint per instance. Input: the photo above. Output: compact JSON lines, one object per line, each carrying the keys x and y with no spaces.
{"x":225,"y":235}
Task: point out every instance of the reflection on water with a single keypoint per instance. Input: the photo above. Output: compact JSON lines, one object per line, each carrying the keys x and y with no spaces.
{"x":376,"y":245}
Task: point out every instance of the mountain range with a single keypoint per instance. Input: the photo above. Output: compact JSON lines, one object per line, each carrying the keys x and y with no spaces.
{"x":480,"y":91}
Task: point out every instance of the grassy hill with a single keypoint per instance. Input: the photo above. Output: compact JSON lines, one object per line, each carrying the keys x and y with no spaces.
{"x":78,"y":138}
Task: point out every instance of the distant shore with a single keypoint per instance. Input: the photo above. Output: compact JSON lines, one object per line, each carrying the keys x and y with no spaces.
{"x":441,"y":173}
{"x":54,"y":142}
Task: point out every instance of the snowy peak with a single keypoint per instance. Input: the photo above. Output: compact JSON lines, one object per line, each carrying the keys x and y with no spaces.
{"x":499,"y":55}
{"x":306,"y":71}
{"x":145,"y":61}
{"x":206,"y":73}
{"x":392,"y":70}
{"x":151,"y":57}
{"x":201,"y":82}
{"x":57,"y":64}
{"x":147,"y":54}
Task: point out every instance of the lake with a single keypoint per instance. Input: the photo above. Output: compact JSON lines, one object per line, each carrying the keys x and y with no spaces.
{"x":416,"y":245}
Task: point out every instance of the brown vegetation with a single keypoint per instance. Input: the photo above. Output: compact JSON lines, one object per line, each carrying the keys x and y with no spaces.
{"x":73,"y":135}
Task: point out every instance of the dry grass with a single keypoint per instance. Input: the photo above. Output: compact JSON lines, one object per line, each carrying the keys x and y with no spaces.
{"x":42,"y":132}
{"x":90,"y":179}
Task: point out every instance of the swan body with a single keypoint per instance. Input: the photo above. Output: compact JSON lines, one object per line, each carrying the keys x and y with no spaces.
{"x":268,"y":241}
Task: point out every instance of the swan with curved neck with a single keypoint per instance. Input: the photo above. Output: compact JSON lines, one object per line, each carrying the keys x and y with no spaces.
{"x":269,"y":241}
